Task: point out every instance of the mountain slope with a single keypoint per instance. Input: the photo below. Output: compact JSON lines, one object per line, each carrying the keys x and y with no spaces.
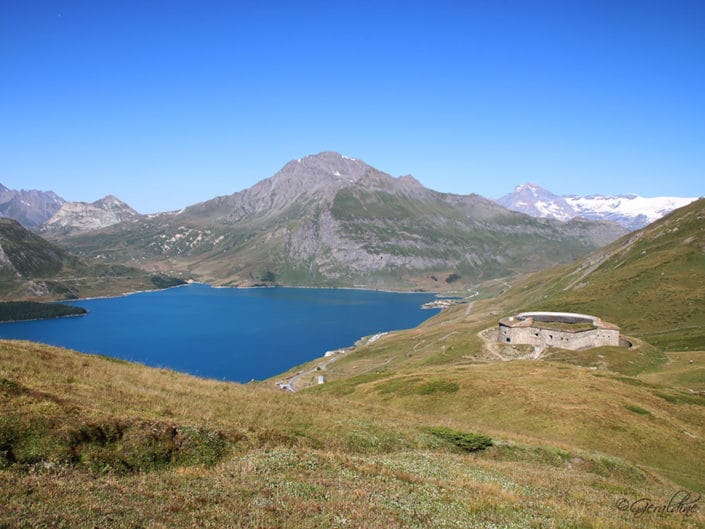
{"x":631,"y":211}
{"x":32,"y":268}
{"x":24,"y":254}
{"x":329,"y":220}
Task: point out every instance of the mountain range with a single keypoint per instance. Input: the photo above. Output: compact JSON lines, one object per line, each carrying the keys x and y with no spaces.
{"x":45,"y":211}
{"x":331,"y":220}
{"x":631,"y":211}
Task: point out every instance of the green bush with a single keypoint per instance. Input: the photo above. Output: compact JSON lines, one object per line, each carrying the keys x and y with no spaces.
{"x":467,"y":441}
{"x":637,"y":409}
{"x":161,"y":281}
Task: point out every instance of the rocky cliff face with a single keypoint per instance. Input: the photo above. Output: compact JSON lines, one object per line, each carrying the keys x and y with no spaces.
{"x":331,"y":220}
{"x":80,"y":216}
{"x":30,"y":208}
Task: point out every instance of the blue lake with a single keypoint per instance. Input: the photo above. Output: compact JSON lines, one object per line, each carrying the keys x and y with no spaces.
{"x":224,"y":333}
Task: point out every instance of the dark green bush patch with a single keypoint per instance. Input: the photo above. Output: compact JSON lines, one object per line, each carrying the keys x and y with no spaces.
{"x":637,"y":409}
{"x":469,"y":442}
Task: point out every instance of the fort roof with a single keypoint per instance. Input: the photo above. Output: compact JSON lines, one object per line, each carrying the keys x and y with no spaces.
{"x":533,"y":319}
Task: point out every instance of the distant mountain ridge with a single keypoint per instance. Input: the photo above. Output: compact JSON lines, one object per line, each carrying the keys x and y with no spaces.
{"x":45,"y":211}
{"x":31,"y":208}
{"x":631,"y":211}
{"x":332,"y":220}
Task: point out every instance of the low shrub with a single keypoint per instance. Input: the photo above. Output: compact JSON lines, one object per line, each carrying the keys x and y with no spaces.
{"x":469,"y":442}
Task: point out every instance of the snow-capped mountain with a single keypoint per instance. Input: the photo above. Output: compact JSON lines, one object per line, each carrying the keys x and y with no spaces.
{"x":538,"y":202}
{"x":631,"y":211}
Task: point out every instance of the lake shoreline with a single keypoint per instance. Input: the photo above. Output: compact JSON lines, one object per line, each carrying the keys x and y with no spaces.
{"x":229,"y":333}
{"x":254,"y":287}
{"x":124,"y":294}
{"x":47,"y":318}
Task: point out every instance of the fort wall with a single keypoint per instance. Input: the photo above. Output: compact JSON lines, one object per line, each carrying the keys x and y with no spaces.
{"x":526,"y":328}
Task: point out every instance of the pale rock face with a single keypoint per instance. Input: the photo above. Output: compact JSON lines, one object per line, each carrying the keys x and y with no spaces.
{"x":80,"y":216}
{"x":631,"y":211}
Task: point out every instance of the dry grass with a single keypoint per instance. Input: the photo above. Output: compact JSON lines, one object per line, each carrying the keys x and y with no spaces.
{"x":295,"y":460}
{"x":557,"y":405}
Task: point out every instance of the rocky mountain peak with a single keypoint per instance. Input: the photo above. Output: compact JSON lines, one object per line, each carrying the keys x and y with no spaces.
{"x":536,"y":201}
{"x":325,"y":168}
{"x":112,"y":203}
{"x":81,"y":216}
{"x":316,"y":178}
{"x":531,"y":188}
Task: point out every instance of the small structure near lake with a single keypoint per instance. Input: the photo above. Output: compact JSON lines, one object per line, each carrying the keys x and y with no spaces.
{"x":557,"y":329}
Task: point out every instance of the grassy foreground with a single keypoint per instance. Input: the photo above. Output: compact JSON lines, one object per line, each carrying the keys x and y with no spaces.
{"x":86,"y":441}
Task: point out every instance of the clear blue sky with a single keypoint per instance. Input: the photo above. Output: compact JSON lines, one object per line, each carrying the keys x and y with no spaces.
{"x":167,"y":103}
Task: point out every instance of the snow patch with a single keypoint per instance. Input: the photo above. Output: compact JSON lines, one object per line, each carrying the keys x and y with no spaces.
{"x":629,"y":205}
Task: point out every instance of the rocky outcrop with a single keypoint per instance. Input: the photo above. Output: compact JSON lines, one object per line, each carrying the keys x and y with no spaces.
{"x":81,"y":216}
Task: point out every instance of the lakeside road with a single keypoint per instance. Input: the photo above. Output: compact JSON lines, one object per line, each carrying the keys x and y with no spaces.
{"x":290,"y":385}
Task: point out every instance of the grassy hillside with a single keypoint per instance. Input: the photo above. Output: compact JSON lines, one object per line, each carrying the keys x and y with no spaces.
{"x":32,"y":268}
{"x":651,"y":425}
{"x":26,"y":254}
{"x":92,"y":442}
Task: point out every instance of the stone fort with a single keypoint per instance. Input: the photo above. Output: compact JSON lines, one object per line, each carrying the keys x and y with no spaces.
{"x":557,"y":329}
